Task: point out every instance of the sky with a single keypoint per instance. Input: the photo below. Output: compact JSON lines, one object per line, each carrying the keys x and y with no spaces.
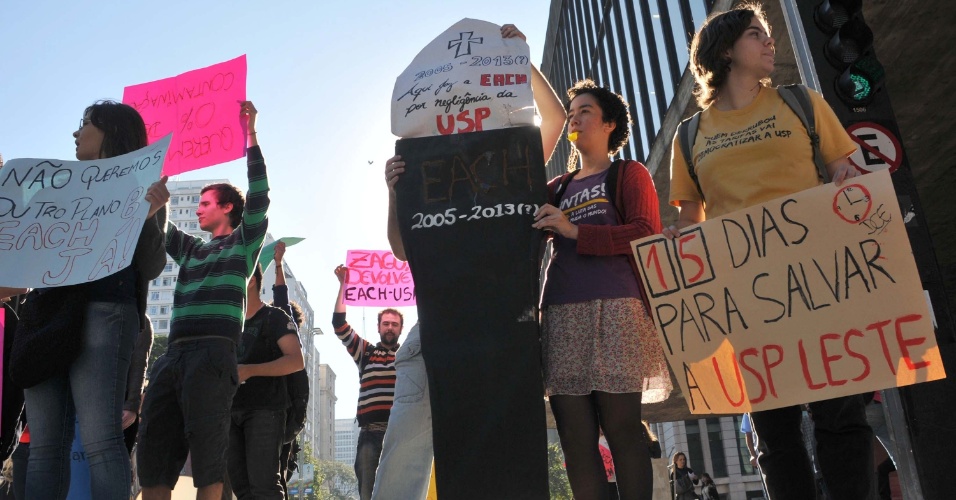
{"x":320,"y":73}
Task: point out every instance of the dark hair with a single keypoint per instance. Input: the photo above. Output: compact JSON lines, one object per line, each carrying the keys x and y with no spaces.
{"x":123,"y":128}
{"x":708,"y":59}
{"x":227,"y":193}
{"x":297,"y":314}
{"x":401,"y":319}
{"x":257,"y":274}
{"x":613,"y":110}
{"x":678,"y":454}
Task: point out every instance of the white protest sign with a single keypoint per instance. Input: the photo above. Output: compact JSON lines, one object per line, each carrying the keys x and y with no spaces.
{"x":807,"y":297}
{"x":468,"y":79}
{"x":70,"y":222}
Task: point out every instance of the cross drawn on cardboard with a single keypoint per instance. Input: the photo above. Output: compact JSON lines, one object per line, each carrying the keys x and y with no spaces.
{"x":457,"y":44}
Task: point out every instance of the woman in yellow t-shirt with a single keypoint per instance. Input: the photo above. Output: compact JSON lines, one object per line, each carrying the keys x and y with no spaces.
{"x":751,"y":148}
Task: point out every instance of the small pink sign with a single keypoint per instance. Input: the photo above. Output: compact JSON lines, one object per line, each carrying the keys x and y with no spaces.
{"x":3,"y":324}
{"x":201,"y":109}
{"x":377,"y":278}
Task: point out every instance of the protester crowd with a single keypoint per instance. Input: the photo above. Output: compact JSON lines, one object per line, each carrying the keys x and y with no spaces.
{"x":221,"y":393}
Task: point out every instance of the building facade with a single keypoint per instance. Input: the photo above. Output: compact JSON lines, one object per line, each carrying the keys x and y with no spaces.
{"x":634,"y":48}
{"x":346,"y":439}
{"x":714,"y":446}
{"x":325,"y":410}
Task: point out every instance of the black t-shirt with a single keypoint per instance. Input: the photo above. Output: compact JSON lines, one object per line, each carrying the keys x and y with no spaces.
{"x":259,"y":344}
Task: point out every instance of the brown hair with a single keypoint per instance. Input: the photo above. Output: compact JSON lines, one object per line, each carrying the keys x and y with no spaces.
{"x":708,"y":60}
{"x":401,"y":319}
{"x":227,"y":193}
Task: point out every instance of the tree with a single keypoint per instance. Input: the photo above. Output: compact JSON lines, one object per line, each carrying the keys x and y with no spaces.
{"x":339,"y":479}
{"x":317,"y":479}
{"x":557,"y":474}
{"x":160,"y":344}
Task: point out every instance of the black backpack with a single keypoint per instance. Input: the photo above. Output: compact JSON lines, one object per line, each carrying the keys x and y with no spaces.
{"x":797,"y":98}
{"x":297,"y":384}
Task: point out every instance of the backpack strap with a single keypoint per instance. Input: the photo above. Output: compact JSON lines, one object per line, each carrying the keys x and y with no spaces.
{"x":563,"y":186}
{"x":612,"y":186}
{"x":798,"y":98}
{"x":686,"y":135}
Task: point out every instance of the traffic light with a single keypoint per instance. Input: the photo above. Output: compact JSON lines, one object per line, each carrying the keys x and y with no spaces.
{"x":851,"y":78}
{"x":849,"y":50}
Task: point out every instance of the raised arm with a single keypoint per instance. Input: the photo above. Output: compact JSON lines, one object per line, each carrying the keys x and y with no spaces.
{"x":394,"y":167}
{"x":547,"y":101}
{"x":357,"y":346}
{"x":279,"y":254}
{"x":553,"y":114}
{"x":254,"y":222}
{"x":280,"y":292}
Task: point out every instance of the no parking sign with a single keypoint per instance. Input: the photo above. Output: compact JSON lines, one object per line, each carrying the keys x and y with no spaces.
{"x":877,"y":148}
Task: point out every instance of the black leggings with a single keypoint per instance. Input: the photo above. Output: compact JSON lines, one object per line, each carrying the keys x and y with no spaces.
{"x":619,"y":415}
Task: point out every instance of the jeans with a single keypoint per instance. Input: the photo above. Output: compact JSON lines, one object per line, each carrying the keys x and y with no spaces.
{"x":92,"y":392}
{"x":844,"y":450}
{"x":403,"y":471}
{"x":20,"y":458}
{"x":367,"y":454}
{"x":255,"y":440}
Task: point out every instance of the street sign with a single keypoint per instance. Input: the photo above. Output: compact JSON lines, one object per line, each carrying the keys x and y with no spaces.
{"x":308,"y":471}
{"x":308,"y":490}
{"x":877,"y":148}
{"x":293,"y":490}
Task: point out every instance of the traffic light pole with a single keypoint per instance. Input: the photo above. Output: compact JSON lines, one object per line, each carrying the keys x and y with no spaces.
{"x":892,"y":402}
{"x":801,"y":46}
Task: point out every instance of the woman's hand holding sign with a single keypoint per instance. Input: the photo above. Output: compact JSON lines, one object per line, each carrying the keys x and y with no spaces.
{"x":551,"y":218}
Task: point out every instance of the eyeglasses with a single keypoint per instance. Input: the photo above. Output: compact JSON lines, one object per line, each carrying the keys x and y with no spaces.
{"x":83,"y":122}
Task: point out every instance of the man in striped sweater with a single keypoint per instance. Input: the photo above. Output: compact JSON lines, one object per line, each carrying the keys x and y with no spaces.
{"x":376,"y":365}
{"x":187,"y":405}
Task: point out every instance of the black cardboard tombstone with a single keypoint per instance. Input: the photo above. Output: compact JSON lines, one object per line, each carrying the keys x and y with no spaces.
{"x":465,"y":208}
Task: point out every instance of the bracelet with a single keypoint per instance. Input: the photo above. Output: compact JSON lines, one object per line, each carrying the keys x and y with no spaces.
{"x":278,"y":266}
{"x":251,"y":133}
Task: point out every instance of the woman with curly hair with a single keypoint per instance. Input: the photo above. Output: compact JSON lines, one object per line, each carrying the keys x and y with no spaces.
{"x":600,"y":347}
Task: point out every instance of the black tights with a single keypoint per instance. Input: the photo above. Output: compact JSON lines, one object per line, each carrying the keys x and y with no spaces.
{"x":619,"y":415}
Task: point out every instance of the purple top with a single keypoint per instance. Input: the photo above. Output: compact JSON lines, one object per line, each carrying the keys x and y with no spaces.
{"x":573,"y":277}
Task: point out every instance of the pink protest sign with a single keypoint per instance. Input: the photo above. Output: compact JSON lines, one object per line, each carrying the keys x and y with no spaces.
{"x":201,"y":109}
{"x":377,"y":278}
{"x":3,"y":313}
